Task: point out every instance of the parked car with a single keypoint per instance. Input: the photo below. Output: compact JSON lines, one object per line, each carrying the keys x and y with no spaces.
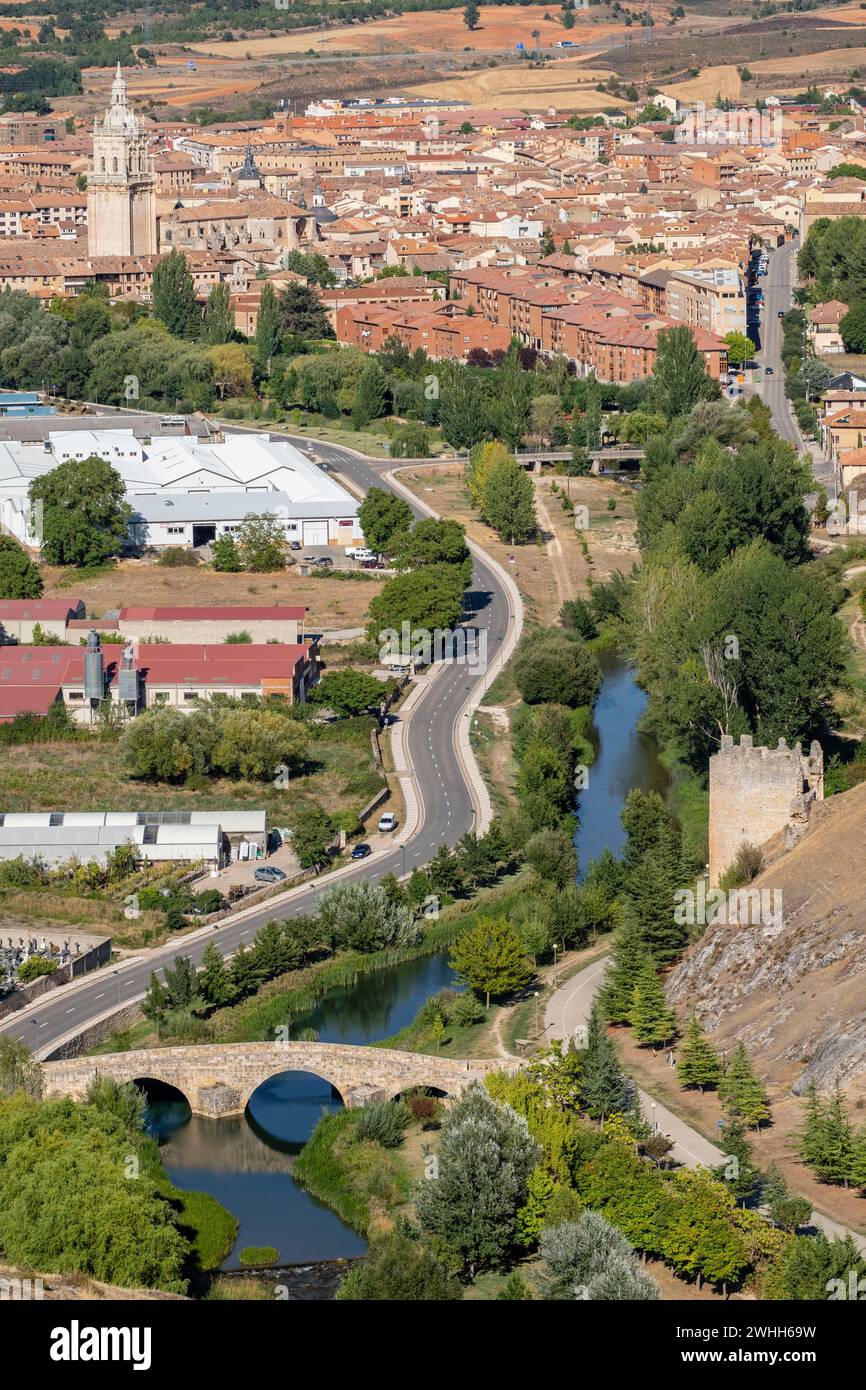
{"x":310,"y":559}
{"x":388,"y":821}
{"x":358,"y":552}
{"x":269,"y":873}
{"x":325,"y":560}
{"x":360,"y":851}
{"x":294,"y":545}
{"x":768,"y":371}
{"x":781,"y":314}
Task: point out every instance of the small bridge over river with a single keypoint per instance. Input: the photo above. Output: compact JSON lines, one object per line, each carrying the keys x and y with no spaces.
{"x":219,"y":1079}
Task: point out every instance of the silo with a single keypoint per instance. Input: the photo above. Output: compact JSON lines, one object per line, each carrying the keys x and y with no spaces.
{"x":94,"y":678}
{"x":127,"y":679}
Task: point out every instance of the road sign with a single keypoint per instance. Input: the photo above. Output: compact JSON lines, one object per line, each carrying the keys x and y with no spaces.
{"x":520,"y":47}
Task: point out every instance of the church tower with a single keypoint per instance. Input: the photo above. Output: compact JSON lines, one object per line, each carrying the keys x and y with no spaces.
{"x":121,"y":207}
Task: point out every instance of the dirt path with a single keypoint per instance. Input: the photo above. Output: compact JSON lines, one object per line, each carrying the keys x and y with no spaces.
{"x":553,"y":547}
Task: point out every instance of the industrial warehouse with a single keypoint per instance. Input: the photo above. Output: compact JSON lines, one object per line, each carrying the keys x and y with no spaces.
{"x":186,"y":493}
{"x":210,"y":837}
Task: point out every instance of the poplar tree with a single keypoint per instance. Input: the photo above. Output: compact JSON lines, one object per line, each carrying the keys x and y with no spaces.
{"x":174,"y":298}
{"x":741,"y":1090}
{"x":268,"y":328}
{"x":698,"y":1065}
{"x":219,"y":321}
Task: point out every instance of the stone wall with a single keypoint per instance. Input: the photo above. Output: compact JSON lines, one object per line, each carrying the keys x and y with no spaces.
{"x":219,"y":1079}
{"x":755,"y":793}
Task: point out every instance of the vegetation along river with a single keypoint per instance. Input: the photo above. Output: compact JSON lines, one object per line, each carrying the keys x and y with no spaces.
{"x":246,"y":1162}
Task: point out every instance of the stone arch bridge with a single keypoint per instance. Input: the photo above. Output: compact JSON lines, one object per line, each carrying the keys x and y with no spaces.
{"x":219,"y":1079}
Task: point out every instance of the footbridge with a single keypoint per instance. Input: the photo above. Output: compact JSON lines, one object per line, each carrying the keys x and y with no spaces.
{"x":219,"y":1079}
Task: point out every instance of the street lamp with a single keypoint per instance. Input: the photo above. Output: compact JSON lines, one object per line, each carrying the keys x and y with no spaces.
{"x":536,"y":1013}
{"x":403,"y":852}
{"x":655,"y":1122}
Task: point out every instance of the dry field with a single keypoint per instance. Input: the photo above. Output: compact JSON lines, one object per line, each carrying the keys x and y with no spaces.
{"x":555,"y":569}
{"x":724,"y":81}
{"x":501,"y":26}
{"x":568,"y":85}
{"x":803,"y":68}
{"x":331,"y":603}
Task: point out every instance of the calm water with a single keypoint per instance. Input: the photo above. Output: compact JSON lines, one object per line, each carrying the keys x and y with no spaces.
{"x":624,"y":759}
{"x":246,"y":1162}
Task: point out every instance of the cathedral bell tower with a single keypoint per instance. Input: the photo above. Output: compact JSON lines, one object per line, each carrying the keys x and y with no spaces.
{"x":121,"y":207}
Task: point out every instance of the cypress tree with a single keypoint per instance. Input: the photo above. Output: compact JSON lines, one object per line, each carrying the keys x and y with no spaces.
{"x":268,"y":328}
{"x":651,"y":892}
{"x":742,"y":1091}
{"x":649,"y":1015}
{"x":219,"y":322}
{"x":698,"y":1065}
{"x":174,"y":301}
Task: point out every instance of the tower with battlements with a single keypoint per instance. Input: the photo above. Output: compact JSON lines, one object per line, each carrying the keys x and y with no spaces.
{"x":121,"y":205}
{"x":756,"y":792}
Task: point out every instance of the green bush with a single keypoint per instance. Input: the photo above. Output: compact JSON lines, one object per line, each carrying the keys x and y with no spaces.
{"x":383,"y":1122}
{"x":177,"y":558}
{"x":259,"y":1255}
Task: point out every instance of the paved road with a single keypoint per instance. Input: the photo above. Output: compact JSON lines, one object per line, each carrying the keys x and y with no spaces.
{"x":569,"y":1008}
{"x":446,"y":805}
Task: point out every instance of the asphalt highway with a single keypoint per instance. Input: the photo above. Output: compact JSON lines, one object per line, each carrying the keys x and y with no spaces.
{"x":446,"y":808}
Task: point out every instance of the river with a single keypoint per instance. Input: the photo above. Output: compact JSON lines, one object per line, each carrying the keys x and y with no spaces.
{"x":246,"y":1162}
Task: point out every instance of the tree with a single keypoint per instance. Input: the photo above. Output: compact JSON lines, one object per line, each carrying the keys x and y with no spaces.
{"x":508,"y":501}
{"x":269,"y":329}
{"x":232,"y":370}
{"x":785,"y":1210}
{"x":430,"y":598}
{"x":215,"y":982}
{"x":462,"y":407}
{"x":431,"y":542}
{"x":225,"y":556}
{"x":741,"y":1091}
{"x":174,"y":298}
{"x":303,"y":313}
{"x":604,"y":1089}
{"x":85,"y":517}
{"x":219,"y":321}
{"x":261,"y":543}
{"x":371,"y":395}
{"x":649,"y":1015}
{"x":397,"y":1268}
{"x":491,"y":959}
{"x":680,"y":377}
{"x":471,"y":15}
{"x":853,"y":327}
{"x":381,"y":515}
{"x":737,"y":1171}
{"x":546,"y":246}
{"x":700,"y":1237}
{"x":19,"y":576}
{"x":627,"y":960}
{"x":551,"y":666}
{"x":827,"y":1141}
{"x":348,"y":691}
{"x":312,"y":836}
{"x":122,"y":1099}
{"x":486,"y":1155}
{"x":19,"y":1071}
{"x":478,"y":465}
{"x":698,"y":1064}
{"x":552,"y":855}
{"x":811,"y":1268}
{"x":361,"y":917}
{"x":513,"y":404}
{"x":740,"y":349}
{"x":589,"y":1258}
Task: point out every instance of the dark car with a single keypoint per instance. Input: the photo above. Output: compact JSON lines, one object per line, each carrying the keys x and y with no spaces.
{"x":781,"y":314}
{"x":325,"y":560}
{"x":768,"y":371}
{"x":360,"y":851}
{"x":294,"y":545}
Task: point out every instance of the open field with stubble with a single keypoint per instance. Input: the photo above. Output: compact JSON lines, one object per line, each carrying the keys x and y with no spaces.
{"x":331,"y":603}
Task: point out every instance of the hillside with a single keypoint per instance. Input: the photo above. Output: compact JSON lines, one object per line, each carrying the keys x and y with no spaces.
{"x":795,"y":993}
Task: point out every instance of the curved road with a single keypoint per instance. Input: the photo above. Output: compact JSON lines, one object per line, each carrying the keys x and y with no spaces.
{"x":446,"y":806}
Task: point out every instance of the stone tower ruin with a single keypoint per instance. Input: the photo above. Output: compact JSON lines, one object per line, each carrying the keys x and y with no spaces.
{"x":756,"y":792}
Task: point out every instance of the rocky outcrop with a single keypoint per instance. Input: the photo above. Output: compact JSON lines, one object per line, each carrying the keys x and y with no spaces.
{"x":794,"y":989}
